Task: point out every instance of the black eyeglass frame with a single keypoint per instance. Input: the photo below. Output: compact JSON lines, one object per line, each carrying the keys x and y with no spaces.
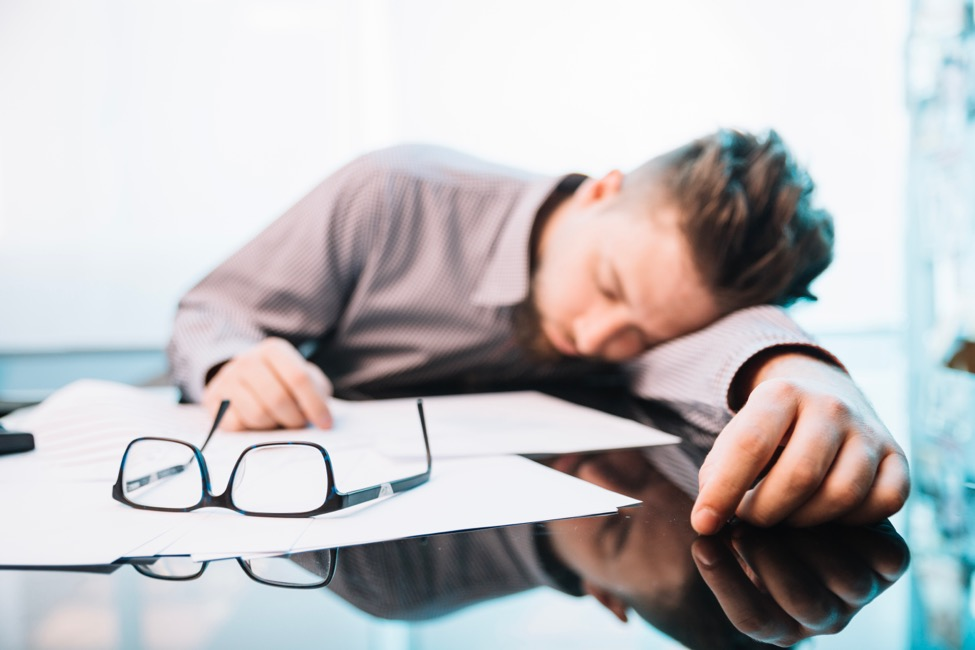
{"x":140,"y":564}
{"x":334,"y":500}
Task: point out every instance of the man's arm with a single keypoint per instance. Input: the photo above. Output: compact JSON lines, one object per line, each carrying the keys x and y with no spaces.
{"x":236,"y":332}
{"x":828,"y":455}
{"x":838,"y":461}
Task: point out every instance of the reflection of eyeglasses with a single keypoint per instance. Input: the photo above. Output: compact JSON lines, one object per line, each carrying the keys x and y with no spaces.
{"x":306,"y":570}
{"x":277,"y":479}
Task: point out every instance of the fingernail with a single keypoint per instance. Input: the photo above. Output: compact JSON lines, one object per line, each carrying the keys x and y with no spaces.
{"x":706,"y":521}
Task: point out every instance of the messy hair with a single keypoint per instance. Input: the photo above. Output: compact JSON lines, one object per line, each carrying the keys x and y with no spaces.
{"x":748,"y":217}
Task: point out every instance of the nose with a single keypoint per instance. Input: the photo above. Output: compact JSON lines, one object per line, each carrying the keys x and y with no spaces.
{"x":609,"y":334}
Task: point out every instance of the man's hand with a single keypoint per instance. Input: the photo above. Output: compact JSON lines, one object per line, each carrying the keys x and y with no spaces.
{"x":270,"y":386}
{"x":827,"y":454}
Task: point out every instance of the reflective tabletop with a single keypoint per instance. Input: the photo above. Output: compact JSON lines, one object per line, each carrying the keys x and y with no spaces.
{"x":640,"y":578}
{"x":570,"y":582}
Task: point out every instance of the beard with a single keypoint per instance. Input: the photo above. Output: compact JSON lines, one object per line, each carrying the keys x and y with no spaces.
{"x":527,"y":322}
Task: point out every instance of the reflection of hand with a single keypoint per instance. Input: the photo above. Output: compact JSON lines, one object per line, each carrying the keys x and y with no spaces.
{"x":783,"y":585}
{"x":837,"y":460}
{"x":270,"y":386}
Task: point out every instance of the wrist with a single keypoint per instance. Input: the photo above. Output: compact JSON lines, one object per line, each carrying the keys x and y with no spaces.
{"x":782,"y":362}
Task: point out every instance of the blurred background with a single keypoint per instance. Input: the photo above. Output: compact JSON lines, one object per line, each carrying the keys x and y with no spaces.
{"x":142,"y":142}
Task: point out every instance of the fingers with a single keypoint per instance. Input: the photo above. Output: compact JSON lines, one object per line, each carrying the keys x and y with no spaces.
{"x":752,"y":612}
{"x":887,"y":495}
{"x":270,"y":386}
{"x":798,"y":473}
{"x":741,"y":452}
{"x":788,"y":569}
{"x":837,"y":460}
{"x":845,"y":488}
{"x":881,"y":547}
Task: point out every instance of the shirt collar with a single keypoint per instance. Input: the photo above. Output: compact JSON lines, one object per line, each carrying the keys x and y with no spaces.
{"x":508,"y":274}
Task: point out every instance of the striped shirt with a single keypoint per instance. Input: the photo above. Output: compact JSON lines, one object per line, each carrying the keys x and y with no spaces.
{"x":403,"y":270}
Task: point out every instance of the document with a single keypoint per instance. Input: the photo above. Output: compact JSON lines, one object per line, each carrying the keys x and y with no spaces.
{"x":57,"y":509}
{"x":57,"y":523}
{"x":78,"y":523}
{"x":462,"y":494}
{"x":490,"y":424}
{"x":82,"y":430}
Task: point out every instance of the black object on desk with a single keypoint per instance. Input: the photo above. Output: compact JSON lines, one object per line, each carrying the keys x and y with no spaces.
{"x":12,"y":442}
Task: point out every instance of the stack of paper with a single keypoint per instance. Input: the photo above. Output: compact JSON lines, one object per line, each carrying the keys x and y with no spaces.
{"x":57,"y":508}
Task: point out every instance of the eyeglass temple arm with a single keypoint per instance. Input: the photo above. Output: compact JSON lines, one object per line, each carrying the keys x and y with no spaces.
{"x":224,"y":405}
{"x":400,"y":485}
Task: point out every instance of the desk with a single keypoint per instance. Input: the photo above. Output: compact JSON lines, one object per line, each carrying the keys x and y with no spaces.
{"x":465,"y":590}
{"x":226,"y":609}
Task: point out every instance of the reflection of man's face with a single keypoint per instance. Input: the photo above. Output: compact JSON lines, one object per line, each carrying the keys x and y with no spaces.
{"x":612,"y":282}
{"x":641,"y":549}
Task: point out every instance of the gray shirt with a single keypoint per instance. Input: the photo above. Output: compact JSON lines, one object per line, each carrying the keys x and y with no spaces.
{"x":404,"y":269}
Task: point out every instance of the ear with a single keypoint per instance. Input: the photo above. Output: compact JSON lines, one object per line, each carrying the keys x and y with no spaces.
{"x":594,"y":190}
{"x":608,"y":600}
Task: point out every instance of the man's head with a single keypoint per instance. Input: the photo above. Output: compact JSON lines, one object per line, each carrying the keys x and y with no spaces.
{"x":722,"y":223}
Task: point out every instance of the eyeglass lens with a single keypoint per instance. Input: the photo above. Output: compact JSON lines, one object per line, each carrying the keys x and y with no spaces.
{"x":280,"y":479}
{"x":305,"y":569}
{"x":162,"y":474}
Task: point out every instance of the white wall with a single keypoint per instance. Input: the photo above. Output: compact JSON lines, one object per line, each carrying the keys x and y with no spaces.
{"x":141,"y":142}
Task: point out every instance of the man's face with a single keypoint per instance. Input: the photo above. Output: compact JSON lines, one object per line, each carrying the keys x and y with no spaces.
{"x":640,"y":549}
{"x":612,"y":282}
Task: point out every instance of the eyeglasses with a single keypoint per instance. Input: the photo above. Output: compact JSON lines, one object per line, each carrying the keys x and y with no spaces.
{"x":276,"y":479}
{"x":305,"y":570}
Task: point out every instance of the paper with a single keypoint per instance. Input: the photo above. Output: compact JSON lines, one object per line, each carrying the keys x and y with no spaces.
{"x":462,"y":494}
{"x":50,"y":523}
{"x":82,"y":430}
{"x":79,"y":523}
{"x":57,"y":509}
{"x":501,"y":423}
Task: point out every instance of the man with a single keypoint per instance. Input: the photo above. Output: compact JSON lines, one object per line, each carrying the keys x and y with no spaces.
{"x":420,"y":270}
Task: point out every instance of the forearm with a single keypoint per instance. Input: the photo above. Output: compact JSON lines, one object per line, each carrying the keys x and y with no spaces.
{"x":291,"y":281}
{"x":701,"y":374}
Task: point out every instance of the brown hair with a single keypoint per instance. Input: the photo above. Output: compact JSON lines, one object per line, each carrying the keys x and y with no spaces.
{"x":748,"y":217}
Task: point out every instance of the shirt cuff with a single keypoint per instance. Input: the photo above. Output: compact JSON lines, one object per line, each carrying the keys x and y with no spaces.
{"x":700,"y":367}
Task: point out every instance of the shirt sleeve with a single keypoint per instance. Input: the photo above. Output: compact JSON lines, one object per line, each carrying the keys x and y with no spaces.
{"x":291,"y":281}
{"x":694,"y":373}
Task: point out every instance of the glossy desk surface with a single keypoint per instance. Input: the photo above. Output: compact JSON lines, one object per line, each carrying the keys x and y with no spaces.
{"x":562,"y":584}
{"x":900,"y":586}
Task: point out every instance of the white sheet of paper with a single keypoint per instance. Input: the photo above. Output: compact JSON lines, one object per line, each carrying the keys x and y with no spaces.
{"x":81,"y":431}
{"x":64,"y":513}
{"x":51,"y":523}
{"x":463,"y":494}
{"x":492,"y":424}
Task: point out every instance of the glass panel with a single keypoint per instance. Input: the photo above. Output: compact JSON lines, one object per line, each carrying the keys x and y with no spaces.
{"x":308,"y":569}
{"x":171,"y":568}
{"x":281,"y":479}
{"x":162,"y":474}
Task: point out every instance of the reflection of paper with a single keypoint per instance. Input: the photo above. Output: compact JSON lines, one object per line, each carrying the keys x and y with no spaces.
{"x":461,"y":495}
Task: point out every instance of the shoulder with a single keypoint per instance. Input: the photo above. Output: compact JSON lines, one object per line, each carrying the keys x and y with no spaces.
{"x":432,"y":166}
